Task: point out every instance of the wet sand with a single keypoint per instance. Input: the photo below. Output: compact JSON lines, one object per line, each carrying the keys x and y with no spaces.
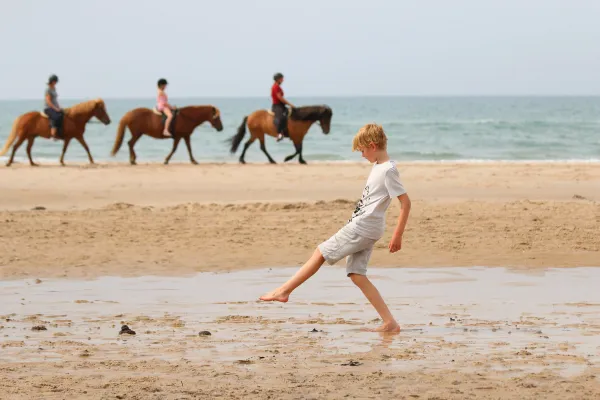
{"x":467,"y":333}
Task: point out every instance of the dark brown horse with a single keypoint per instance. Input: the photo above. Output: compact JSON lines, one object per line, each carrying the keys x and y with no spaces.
{"x":260,"y":122}
{"x":30,"y":125}
{"x":144,"y":121}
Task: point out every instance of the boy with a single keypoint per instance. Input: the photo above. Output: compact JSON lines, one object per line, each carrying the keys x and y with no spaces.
{"x":356,"y":239}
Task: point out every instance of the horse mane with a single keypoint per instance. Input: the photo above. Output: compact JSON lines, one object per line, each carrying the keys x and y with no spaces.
{"x":216,"y":111}
{"x":310,"y":113}
{"x":84,"y":107}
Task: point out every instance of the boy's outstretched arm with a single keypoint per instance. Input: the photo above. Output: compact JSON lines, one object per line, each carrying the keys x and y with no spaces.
{"x":396,"y":242}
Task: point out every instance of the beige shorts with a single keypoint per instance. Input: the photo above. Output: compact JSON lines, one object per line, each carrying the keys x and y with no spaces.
{"x":347,"y":243}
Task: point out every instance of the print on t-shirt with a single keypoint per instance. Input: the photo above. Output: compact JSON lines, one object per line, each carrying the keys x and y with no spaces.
{"x":359,"y":210}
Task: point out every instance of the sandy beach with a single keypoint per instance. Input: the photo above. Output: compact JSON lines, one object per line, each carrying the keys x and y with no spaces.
{"x":182,"y":219}
{"x":172,"y":251}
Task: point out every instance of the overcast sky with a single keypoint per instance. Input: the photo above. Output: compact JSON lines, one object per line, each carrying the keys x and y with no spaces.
{"x":113,"y":48}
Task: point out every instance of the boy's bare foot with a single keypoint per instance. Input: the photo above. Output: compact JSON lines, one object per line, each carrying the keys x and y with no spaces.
{"x":275,"y":295}
{"x":167,"y":134}
{"x":391,"y":327}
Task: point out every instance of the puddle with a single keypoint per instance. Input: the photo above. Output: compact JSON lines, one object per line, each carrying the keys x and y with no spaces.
{"x":488,"y":318}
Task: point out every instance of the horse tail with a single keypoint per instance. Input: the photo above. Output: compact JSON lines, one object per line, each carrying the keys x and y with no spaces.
{"x":11,"y":137}
{"x":120,"y":135}
{"x":237,"y":138}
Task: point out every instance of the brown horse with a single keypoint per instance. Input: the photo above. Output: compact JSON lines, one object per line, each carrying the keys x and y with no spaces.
{"x":30,"y":125}
{"x":144,"y":121}
{"x":260,"y":122}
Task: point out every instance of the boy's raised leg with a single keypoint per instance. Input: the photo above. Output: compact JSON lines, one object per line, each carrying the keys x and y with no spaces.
{"x":308,"y":269}
{"x":372,"y":294}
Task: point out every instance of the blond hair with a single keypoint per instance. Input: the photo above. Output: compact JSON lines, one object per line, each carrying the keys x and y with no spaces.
{"x":85,"y":107}
{"x":370,"y":133}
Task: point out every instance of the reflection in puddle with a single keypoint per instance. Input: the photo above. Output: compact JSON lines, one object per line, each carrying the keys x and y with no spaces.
{"x":485,"y":318}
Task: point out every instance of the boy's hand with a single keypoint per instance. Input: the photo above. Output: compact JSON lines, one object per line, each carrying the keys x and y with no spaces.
{"x":395,"y":243}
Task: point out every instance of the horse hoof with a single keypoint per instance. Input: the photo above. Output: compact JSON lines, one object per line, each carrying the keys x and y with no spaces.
{"x":34,"y":165}
{"x":195,"y":162}
{"x":302,"y":162}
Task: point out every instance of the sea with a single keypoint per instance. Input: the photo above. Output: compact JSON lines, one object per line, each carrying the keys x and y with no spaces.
{"x":419,"y":129}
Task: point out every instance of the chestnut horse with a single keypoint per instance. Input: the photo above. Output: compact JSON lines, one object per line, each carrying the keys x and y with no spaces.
{"x":144,"y":121}
{"x":30,"y":125}
{"x":260,"y":122}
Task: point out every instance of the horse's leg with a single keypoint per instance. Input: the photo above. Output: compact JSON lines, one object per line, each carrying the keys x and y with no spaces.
{"x":288,"y":158}
{"x":64,"y":150}
{"x":298,"y":147}
{"x":248,"y":143}
{"x":264,"y":150}
{"x":175,"y":144}
{"x":134,"y":138}
{"x":29,"y":146}
{"x":189,"y":148}
{"x":299,"y":150}
{"x":81,"y":140}
{"x":14,"y":151}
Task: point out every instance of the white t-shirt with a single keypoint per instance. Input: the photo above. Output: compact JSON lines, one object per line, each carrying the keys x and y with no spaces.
{"x":383,"y":185}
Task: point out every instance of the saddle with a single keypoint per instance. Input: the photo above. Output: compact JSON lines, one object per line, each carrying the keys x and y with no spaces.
{"x":164,"y":117}
{"x":272,"y":114}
